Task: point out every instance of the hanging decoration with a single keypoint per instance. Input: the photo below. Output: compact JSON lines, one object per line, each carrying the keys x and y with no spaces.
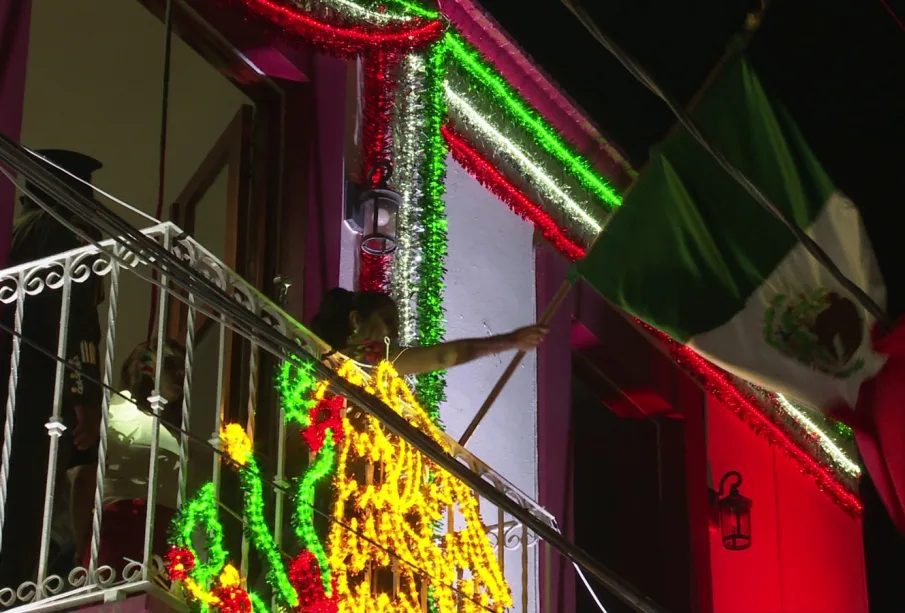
{"x":492,"y":179}
{"x":197,"y":574}
{"x":377,"y":146}
{"x":579,"y":212}
{"x":388,"y":499}
{"x":431,"y":387}
{"x":398,"y":512}
{"x":237,"y":445}
{"x":404,"y":27}
{"x":364,"y":14}
{"x":408,"y":134}
{"x":817,"y":433}
{"x":492,"y":84}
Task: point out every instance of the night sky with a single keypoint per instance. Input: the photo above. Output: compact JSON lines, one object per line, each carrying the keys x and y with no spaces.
{"x":838,"y":67}
{"x":804,"y":47}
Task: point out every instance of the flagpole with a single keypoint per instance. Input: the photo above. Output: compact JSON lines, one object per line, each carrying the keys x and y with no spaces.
{"x":551,"y":309}
{"x":751,"y":25}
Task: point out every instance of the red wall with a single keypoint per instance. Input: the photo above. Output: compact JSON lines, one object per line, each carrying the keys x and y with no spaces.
{"x":806,"y":554}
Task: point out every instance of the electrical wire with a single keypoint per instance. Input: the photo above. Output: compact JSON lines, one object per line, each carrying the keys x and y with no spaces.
{"x":248,"y":324}
{"x":202,"y":442}
{"x":685,"y":120}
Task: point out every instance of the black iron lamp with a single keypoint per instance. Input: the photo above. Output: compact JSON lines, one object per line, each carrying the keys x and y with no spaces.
{"x":733,"y":513}
{"x":375,"y":213}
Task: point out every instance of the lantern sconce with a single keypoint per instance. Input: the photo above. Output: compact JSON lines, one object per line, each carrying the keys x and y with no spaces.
{"x":731,"y":513}
{"x":375,"y":212}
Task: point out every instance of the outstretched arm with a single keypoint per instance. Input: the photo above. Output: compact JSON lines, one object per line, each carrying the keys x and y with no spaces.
{"x":417,"y":360}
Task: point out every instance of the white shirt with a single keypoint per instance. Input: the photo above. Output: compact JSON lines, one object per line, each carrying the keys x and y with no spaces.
{"x":129,"y":456}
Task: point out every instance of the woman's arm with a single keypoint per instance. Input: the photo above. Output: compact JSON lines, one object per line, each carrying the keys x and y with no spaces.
{"x":417,"y":360}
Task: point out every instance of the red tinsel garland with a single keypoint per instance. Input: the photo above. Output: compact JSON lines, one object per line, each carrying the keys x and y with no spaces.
{"x":492,"y":179}
{"x":377,"y":145}
{"x":373,"y":272}
{"x":745,"y":406}
{"x":379,"y":96}
{"x":305,"y":577}
{"x":325,"y":415}
{"x":346,"y":40}
{"x":179,"y":562}
{"x":233,"y":599}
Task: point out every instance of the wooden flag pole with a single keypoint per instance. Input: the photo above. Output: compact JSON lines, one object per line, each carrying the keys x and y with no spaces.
{"x":552,"y":307}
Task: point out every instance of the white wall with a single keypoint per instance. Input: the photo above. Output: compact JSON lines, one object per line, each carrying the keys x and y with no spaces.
{"x":490,"y":288}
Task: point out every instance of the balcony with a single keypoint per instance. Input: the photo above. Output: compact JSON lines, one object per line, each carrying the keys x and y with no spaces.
{"x":245,"y":482}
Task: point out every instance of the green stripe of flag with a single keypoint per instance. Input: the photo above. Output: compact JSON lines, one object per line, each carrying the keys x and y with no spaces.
{"x":689,"y":245}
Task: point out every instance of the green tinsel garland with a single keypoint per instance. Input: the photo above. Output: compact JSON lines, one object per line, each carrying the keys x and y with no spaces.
{"x":431,"y":388}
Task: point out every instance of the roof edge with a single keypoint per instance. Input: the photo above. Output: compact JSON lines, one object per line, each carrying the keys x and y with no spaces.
{"x":482,"y":31}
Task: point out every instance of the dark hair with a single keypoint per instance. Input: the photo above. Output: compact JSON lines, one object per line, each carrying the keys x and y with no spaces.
{"x":332,"y":320}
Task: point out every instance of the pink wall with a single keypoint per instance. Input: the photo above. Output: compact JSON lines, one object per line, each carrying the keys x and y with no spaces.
{"x":806,"y":554}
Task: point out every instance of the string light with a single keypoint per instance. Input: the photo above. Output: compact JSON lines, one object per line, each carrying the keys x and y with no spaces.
{"x":296,"y":382}
{"x":237,"y":445}
{"x":408,"y":134}
{"x":305,"y":574}
{"x":496,"y":86}
{"x":348,"y":40}
{"x":431,"y":270}
{"x":494,"y":181}
{"x":745,"y":407}
{"x":399,"y":514}
{"x":322,"y":467}
{"x":202,"y":507}
{"x":549,"y":187}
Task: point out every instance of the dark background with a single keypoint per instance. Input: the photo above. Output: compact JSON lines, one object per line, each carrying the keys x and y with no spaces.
{"x":838,"y":66}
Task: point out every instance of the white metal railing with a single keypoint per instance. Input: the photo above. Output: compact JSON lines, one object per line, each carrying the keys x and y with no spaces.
{"x":201,"y":415}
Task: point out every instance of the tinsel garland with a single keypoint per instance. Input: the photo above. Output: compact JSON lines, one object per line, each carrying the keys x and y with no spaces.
{"x":362,"y":13}
{"x":414,"y":8}
{"x":814,"y":432}
{"x":239,"y":449}
{"x":377,"y":135}
{"x":408,"y":132}
{"x":744,"y":404}
{"x":201,"y":508}
{"x":431,"y":387}
{"x":299,"y":26}
{"x":305,"y":573}
{"x":494,"y":181}
{"x":377,"y":155}
{"x":524,"y":162}
{"x":373,"y":272}
{"x":492,"y":84}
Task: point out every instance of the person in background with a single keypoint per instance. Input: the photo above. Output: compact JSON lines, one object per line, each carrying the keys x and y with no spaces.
{"x":360,"y":324}
{"x":129,"y":432}
{"x":37,"y":234}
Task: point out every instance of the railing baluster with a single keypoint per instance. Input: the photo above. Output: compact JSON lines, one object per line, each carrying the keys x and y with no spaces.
{"x":109,"y":354}
{"x":220,"y":408}
{"x":157,"y":402}
{"x":501,"y":540}
{"x":250,"y":429}
{"x":11,"y":399}
{"x":186,"y":400}
{"x":55,"y":428}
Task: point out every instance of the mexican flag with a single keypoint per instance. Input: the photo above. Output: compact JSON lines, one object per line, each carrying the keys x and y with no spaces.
{"x":692,"y":254}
